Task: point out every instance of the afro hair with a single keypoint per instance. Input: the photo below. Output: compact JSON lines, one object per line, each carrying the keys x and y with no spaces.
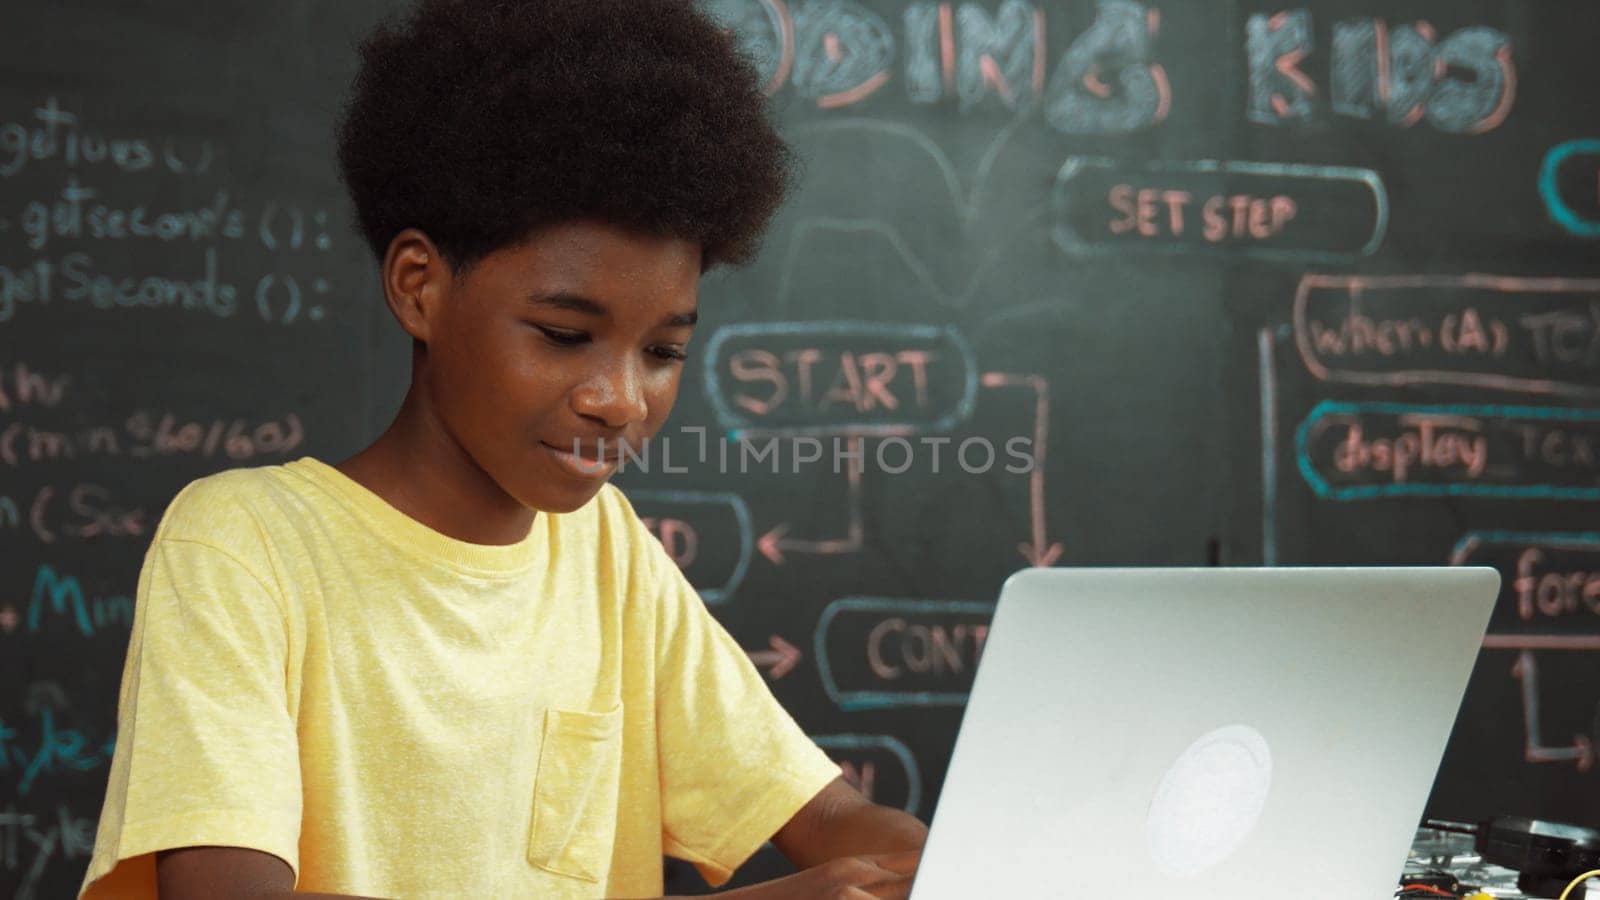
{"x":481,"y":121}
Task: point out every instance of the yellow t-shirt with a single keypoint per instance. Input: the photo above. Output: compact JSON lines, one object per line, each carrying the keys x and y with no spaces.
{"x":397,"y":713}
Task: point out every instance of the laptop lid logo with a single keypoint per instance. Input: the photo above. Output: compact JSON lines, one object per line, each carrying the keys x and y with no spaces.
{"x":1209,"y":801}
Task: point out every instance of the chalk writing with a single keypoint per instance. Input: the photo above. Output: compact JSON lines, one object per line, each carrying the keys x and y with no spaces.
{"x":72,"y":216}
{"x":30,"y":841}
{"x":58,"y":595}
{"x":55,"y":750}
{"x":1425,"y":443}
{"x":843,"y":52}
{"x":1379,"y":69}
{"x":833,"y":52}
{"x":677,"y":537}
{"x":978,"y":55}
{"x":1262,"y":210}
{"x":930,"y":51}
{"x":75,"y":278}
{"x":1553,"y":594}
{"x":1550,"y":582}
{"x":707,"y":533}
{"x":52,"y":133}
{"x":765,"y":32}
{"x":82,"y":511}
{"x":284,"y":228}
{"x":1275,"y":46}
{"x":1480,"y":100}
{"x":875,"y":652}
{"x":21,"y":385}
{"x":879,"y":765}
{"x":837,"y":53}
{"x":896,"y":647}
{"x":1530,"y":335}
{"x":1463,"y":84}
{"x":839,"y":377}
{"x":79,"y":212}
{"x":1001,"y":56}
{"x":1109,"y":79}
{"x":146,"y":435}
{"x":1350,"y":451}
{"x":1568,"y":182}
{"x":57,"y":747}
{"x":1108,"y":82}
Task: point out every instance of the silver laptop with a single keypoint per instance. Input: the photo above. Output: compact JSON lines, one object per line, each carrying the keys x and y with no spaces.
{"x":1210,"y":734}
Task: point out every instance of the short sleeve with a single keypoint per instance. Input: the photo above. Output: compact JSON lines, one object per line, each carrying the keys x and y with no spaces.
{"x":735,"y":767}
{"x":206,"y":750}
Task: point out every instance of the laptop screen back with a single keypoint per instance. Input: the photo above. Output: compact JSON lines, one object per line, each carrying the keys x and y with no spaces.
{"x":1204,"y":733}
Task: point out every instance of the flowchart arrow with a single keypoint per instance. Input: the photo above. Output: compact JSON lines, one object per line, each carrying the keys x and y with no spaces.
{"x":781,"y":658}
{"x":1039,"y":551}
{"x":1581,"y":752}
{"x":773,"y":544}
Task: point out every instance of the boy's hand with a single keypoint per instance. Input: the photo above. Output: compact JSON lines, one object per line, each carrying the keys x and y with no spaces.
{"x":885,"y":876}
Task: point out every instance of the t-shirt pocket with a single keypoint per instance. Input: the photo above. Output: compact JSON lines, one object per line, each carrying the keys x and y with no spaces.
{"x":575,"y":793}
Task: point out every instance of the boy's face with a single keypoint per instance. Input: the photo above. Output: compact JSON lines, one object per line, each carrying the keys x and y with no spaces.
{"x":573,"y":336}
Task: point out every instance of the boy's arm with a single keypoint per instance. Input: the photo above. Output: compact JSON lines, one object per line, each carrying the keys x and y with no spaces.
{"x":845,"y":846}
{"x":839,"y":822}
{"x":226,"y":873}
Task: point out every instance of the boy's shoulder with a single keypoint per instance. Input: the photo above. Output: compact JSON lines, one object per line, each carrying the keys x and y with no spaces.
{"x":225,"y":502}
{"x":246,"y":505}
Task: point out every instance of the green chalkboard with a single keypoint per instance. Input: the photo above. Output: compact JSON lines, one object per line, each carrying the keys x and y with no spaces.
{"x":1069,"y":282}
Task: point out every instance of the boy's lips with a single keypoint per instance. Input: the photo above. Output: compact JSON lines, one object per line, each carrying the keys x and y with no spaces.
{"x":611,"y":449}
{"x":587,"y":462}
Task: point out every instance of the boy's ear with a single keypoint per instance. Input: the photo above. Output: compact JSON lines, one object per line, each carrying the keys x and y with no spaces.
{"x":413,"y":272}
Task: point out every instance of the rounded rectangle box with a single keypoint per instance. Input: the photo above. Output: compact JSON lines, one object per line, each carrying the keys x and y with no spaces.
{"x":876,"y":652}
{"x":1363,"y":451}
{"x":1279,"y":211}
{"x":709,"y":534}
{"x":840,"y":377}
{"x":1521,"y":335}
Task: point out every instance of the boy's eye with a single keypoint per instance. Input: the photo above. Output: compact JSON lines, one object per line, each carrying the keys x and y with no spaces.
{"x":562,"y":336}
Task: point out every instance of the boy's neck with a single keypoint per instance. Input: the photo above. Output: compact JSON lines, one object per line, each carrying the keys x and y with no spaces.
{"x":419,"y":469}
